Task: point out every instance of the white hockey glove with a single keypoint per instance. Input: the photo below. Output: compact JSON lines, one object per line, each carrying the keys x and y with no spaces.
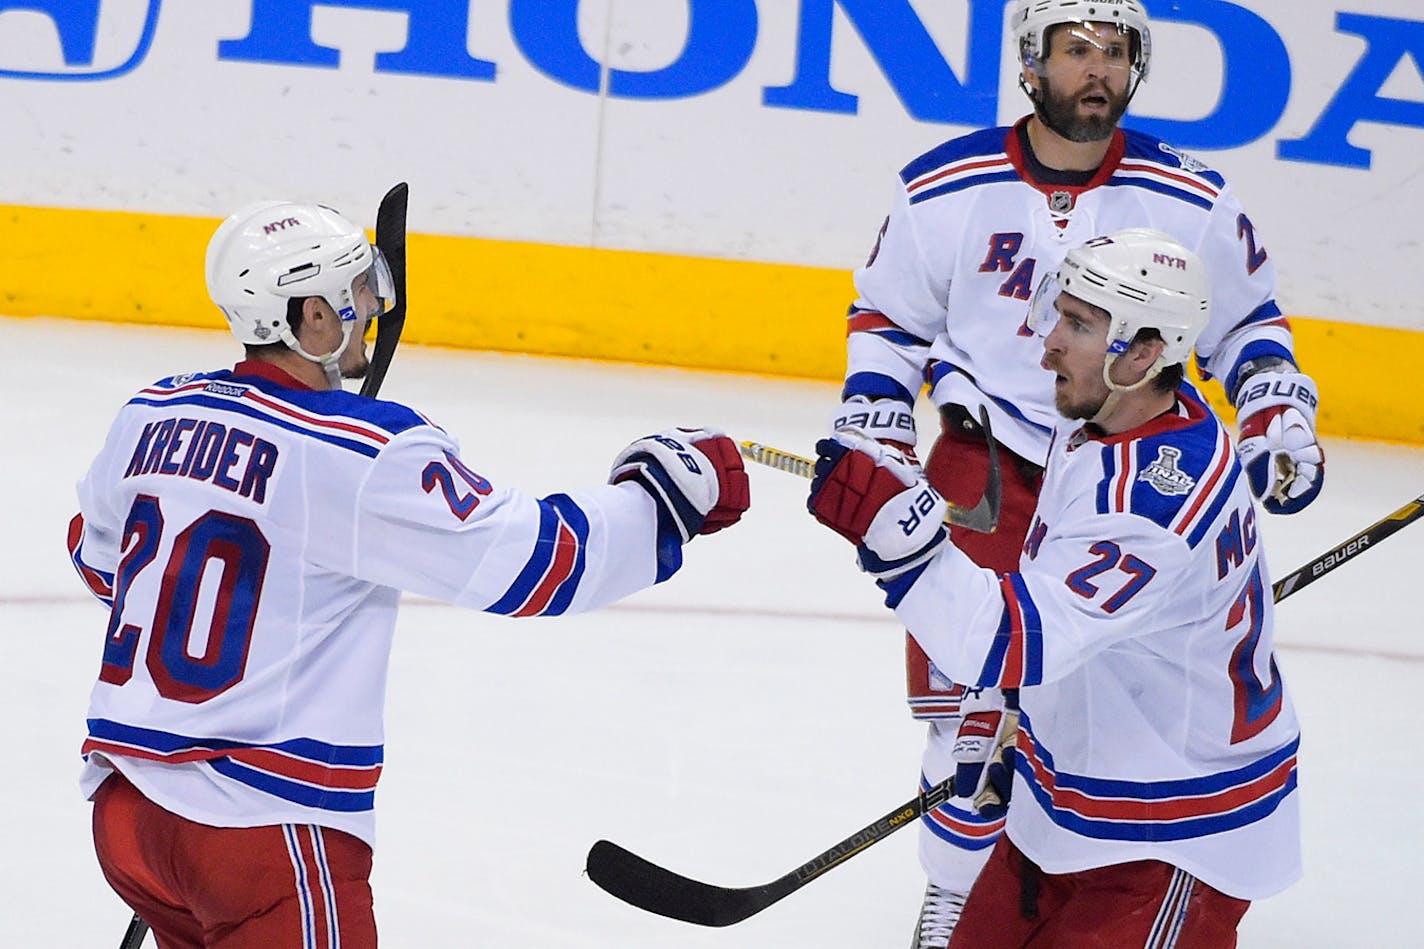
{"x":984,"y":751}
{"x":695,"y":476}
{"x":872,"y":496}
{"x":885,"y":420}
{"x":1279,"y":448}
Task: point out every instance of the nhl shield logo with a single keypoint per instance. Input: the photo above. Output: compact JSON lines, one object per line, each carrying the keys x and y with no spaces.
{"x":1163,"y":474}
{"x":1060,"y":202}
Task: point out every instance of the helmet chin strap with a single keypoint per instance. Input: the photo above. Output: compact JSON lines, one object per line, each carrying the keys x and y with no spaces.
{"x":1116,"y":391}
{"x":331,"y":362}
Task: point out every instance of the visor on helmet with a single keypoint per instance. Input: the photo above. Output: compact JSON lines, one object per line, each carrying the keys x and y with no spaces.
{"x":1043,"y":312}
{"x":1091,"y":33}
{"x":378,"y":278}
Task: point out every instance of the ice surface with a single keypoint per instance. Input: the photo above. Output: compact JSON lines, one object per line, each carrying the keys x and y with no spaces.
{"x":730,"y":724}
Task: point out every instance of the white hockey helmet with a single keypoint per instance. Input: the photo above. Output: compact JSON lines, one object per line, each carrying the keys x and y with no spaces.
{"x":1032,"y":19}
{"x":270,"y":252}
{"x":1144,"y":280}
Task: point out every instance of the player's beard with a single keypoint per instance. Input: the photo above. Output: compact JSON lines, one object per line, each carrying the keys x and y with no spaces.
{"x":1060,"y":112}
{"x":1083,"y":409}
{"x":1071,"y":405}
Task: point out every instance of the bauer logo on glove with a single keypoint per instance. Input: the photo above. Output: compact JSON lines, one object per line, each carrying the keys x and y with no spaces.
{"x":926,"y":503}
{"x":683,"y":455}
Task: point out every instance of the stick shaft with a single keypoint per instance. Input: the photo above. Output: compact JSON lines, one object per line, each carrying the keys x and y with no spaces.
{"x":648,"y":886}
{"x":1348,"y":549}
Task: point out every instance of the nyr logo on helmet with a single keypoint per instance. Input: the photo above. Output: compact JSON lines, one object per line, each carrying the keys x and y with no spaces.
{"x":273,"y":227}
{"x":1163,"y":474}
{"x":97,"y":39}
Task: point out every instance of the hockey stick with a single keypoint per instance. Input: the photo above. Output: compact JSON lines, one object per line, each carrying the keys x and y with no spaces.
{"x":982,"y":517}
{"x":1348,"y":549}
{"x":390,"y":238}
{"x":650,"y":887}
{"x":133,"y":936}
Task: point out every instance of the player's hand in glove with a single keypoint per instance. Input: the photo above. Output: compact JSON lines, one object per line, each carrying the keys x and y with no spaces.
{"x":872,"y":496}
{"x":1279,"y":448}
{"x":695,"y":476}
{"x":885,"y":420}
{"x":983,"y":751}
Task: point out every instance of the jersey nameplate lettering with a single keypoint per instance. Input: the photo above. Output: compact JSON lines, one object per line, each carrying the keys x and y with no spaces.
{"x":205,"y":450}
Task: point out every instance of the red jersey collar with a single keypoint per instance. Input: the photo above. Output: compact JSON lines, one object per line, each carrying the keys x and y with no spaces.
{"x":1185,"y":413}
{"x":265,"y":370}
{"x":1105,"y":171}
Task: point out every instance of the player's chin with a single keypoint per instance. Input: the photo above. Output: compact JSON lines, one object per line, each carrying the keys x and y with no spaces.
{"x":357,"y":371}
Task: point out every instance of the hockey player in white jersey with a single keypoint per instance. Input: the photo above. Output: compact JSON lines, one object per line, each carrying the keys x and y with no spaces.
{"x":1155,"y":774}
{"x":942,"y":302}
{"x":251,"y":531}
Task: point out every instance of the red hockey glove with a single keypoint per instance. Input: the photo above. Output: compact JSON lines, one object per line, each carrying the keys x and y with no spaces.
{"x":872,"y":496}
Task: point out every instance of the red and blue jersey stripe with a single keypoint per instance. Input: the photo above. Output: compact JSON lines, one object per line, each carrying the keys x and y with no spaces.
{"x":550,"y":577}
{"x":961,"y":826}
{"x":1016,"y":657}
{"x":301,"y":770}
{"x":335,"y":417}
{"x":1144,"y":165}
{"x":975,"y":159}
{"x":1179,"y":809}
{"x":98,"y":582}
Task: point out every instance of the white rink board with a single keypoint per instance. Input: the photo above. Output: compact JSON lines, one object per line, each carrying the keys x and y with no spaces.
{"x":183,"y":127}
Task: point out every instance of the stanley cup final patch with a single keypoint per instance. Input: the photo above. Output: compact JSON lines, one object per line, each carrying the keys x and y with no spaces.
{"x":1163,"y":474}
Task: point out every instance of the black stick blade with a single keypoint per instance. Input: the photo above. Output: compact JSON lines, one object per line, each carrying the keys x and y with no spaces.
{"x":635,"y":881}
{"x":390,"y":238}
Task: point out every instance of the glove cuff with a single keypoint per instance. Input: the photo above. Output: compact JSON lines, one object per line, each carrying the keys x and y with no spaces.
{"x":885,"y":420}
{"x":1268,"y":389}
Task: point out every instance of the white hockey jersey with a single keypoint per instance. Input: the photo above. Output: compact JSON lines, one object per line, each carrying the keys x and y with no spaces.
{"x":944,"y":298}
{"x":1139,"y":630}
{"x":252,"y":537}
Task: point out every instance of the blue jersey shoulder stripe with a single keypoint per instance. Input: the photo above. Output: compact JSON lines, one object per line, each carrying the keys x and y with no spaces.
{"x":1140,"y":146}
{"x":337,"y":404}
{"x":1179,"y":477}
{"x":961,"y":184}
{"x":1161,"y":187}
{"x":250,"y":410}
{"x":988,"y":141}
{"x":332,"y":408}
